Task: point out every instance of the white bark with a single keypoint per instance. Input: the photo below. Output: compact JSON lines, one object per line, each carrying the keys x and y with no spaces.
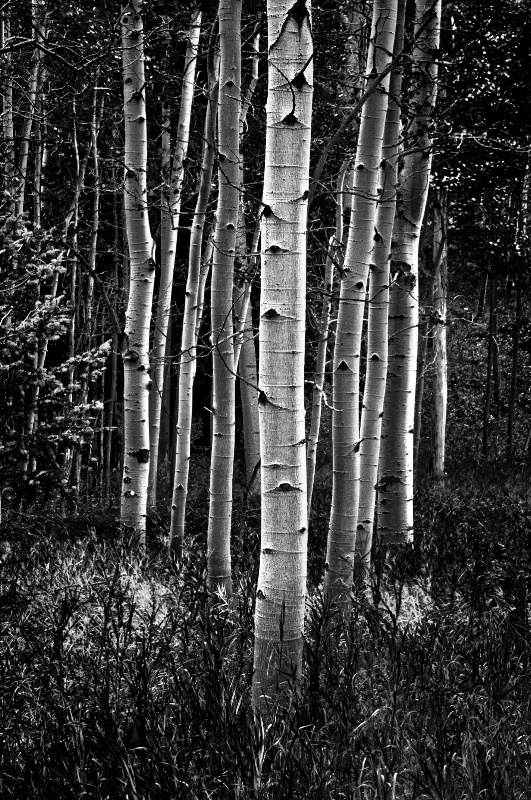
{"x":38,"y":20}
{"x":187,"y":361}
{"x":281,"y":591}
{"x":245,"y":355}
{"x":395,"y":499}
{"x":8,"y":128}
{"x":346,"y":367}
{"x":171,"y":209}
{"x":135,"y":348}
{"x":89,"y":285}
{"x":334,"y":258}
{"x":223,"y":374}
{"x":249,"y":398}
{"x":377,"y":329}
{"x":440,"y":358}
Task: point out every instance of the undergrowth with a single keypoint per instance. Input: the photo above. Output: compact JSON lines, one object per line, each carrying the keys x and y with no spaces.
{"x":121,"y":678}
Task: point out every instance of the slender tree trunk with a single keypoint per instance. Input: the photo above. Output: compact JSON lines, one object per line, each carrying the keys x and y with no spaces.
{"x":244,"y":346}
{"x":395,"y":497}
{"x":37,"y":164}
{"x":249,"y":398}
{"x":189,"y":336}
{"x":377,"y":345}
{"x":493,"y":325}
{"x":38,"y":20}
{"x":281,"y":590}
{"x":422,"y":368}
{"x":482,"y":293}
{"x":357,"y":30}
{"x":245,"y":357}
{"x":135,"y":347}
{"x":514,"y":372}
{"x":440,"y":359}
{"x":223,"y":373}
{"x":334,"y":258}
{"x":171,"y":209}
{"x":334,"y":250}
{"x":8,"y":128}
{"x":355,"y":274}
{"x":89,"y":280}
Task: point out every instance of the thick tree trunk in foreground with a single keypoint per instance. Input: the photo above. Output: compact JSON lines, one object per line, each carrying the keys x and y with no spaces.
{"x":377,"y":332}
{"x":281,"y":591}
{"x":135,"y":347}
{"x":395,"y":499}
{"x":355,"y":274}
{"x":173,"y":174}
{"x":223,"y":373}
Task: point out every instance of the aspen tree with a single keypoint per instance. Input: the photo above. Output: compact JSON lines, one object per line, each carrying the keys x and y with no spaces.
{"x":245,"y":362}
{"x":354,"y":279}
{"x":281,"y":590}
{"x":223,"y":374}
{"x":395,"y":498}
{"x":440,"y":358}
{"x":171,"y":208}
{"x":89,"y":285}
{"x":244,"y":347}
{"x":135,"y":347}
{"x":8,"y":128}
{"x":190,"y":328}
{"x":334,"y":257}
{"x":38,"y":21}
{"x":425,"y":300}
{"x":378,"y":302}
{"x":249,"y":398}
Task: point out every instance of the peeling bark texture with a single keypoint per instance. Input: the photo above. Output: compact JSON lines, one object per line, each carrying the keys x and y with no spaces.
{"x":395,"y":499}
{"x":281,"y":591}
{"x":346,"y":367}
{"x":172,"y":176}
{"x":440,"y":359}
{"x":377,"y":345}
{"x":191,"y":321}
{"x":135,"y":347}
{"x":223,"y":374}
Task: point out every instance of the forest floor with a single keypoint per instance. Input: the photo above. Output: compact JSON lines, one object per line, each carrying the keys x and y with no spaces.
{"x":121,"y":678}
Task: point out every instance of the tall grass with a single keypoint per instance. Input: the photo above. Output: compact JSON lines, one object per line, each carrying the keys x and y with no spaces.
{"x":122,"y":678}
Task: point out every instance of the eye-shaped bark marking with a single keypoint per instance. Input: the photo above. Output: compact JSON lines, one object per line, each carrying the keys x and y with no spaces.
{"x":271,"y":313}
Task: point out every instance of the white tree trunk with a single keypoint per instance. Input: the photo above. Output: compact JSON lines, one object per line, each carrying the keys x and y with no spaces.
{"x":281,"y":591}
{"x":440,"y":359}
{"x":135,"y":347}
{"x":187,"y":361}
{"x":8,"y":128}
{"x":355,"y":274}
{"x":38,"y":21}
{"x":249,"y":398}
{"x":334,"y":258}
{"x":377,"y":329}
{"x":395,"y":499}
{"x":223,"y":373}
{"x":171,"y":209}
